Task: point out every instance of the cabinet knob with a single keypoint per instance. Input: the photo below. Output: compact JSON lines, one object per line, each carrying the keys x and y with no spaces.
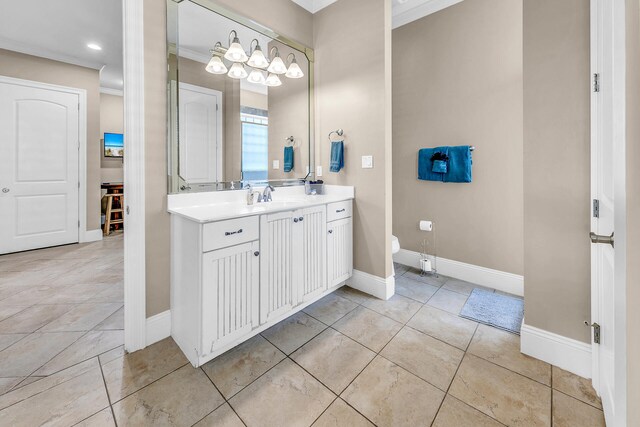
{"x":330,"y":231}
{"x":295,"y":219}
{"x":256,"y":253}
{"x":301,"y":218}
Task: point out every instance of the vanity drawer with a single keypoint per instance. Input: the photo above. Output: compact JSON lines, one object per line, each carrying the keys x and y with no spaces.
{"x":221,"y":234}
{"x":339,"y":210}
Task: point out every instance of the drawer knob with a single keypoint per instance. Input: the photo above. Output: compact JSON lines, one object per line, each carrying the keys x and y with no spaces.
{"x":295,"y":219}
{"x":256,"y":253}
{"x":340,"y":210}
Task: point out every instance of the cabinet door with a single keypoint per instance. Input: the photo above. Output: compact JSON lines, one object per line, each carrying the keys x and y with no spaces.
{"x":310,"y":252}
{"x":276,"y":281}
{"x":230,"y":292}
{"x":339,"y":251}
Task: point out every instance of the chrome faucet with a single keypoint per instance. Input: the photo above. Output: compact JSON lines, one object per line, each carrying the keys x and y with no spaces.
{"x":266,"y":194}
{"x":250,"y":194}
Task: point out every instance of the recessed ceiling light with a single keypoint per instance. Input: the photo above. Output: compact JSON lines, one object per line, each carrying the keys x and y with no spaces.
{"x":94,"y":46}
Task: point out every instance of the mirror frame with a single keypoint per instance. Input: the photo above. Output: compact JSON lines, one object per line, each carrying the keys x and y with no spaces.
{"x":175,"y":182}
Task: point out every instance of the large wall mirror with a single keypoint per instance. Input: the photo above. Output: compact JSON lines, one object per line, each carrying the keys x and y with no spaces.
{"x":240,"y":106}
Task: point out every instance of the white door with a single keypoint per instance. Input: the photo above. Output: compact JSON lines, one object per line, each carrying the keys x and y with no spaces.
{"x":230,"y":288}
{"x":200,"y":145}
{"x":39,"y":142}
{"x":310,"y":250}
{"x":339,"y":251}
{"x":276,"y":266}
{"x":607,"y":188}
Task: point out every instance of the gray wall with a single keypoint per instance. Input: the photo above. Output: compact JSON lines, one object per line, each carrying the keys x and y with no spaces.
{"x":557,"y":166}
{"x":457,"y":80}
{"x":353,"y":93}
{"x":633,"y":208}
{"x":21,"y":66}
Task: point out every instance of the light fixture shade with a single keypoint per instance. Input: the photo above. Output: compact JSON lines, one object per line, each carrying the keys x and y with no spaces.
{"x":256,"y":76}
{"x":237,"y":71}
{"x":257,"y":59}
{"x":236,"y":53}
{"x":216,"y":66}
{"x":294,"y":71}
{"x":277,"y":66}
{"x":273,"y":80}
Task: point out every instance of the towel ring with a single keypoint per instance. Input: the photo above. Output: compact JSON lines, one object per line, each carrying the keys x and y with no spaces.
{"x":290,"y":141}
{"x":338,"y":132}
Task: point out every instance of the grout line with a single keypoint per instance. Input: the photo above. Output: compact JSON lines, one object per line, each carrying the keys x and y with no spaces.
{"x":104,"y":381}
{"x":226,"y":402}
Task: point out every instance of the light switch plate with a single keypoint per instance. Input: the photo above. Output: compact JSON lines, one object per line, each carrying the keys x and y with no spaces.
{"x":276,"y":164}
{"x":318,"y":171}
{"x":367,"y":162}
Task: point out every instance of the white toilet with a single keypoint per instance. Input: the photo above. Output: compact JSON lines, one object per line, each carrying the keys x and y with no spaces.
{"x":395,"y":248}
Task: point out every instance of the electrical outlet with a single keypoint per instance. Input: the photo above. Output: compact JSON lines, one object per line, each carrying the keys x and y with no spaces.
{"x":318,"y":171}
{"x":276,"y":164}
{"x":367,"y":162}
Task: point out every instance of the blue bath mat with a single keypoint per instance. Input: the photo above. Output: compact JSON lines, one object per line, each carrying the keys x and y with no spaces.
{"x":500,"y":311}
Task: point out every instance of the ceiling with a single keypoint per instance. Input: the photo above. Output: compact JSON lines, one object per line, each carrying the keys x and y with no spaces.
{"x":61,"y":30}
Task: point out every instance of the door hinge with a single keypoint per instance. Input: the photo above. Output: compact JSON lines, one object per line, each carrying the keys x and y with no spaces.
{"x":596,"y":333}
{"x":78,"y":184}
{"x":78,"y":223}
{"x":596,"y":82}
{"x":216,"y":107}
{"x":596,"y":208}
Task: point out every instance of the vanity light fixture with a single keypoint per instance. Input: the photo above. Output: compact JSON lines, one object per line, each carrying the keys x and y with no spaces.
{"x":294,"y":71}
{"x":237,"y":71}
{"x":257,"y":58}
{"x":235,"y":53}
{"x":256,"y":76}
{"x":273,"y":80}
{"x":216,"y":66}
{"x":277,"y":65}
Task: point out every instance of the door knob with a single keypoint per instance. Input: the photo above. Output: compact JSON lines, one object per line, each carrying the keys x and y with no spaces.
{"x":5,"y":190}
{"x":596,"y":238}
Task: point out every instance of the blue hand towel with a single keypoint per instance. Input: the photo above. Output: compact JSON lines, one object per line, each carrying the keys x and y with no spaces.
{"x":337,"y":156}
{"x":288,"y":159}
{"x":426,"y":170}
{"x":459,"y":164}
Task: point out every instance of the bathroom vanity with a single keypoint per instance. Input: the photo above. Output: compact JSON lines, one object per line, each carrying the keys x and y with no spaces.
{"x":237,"y":269}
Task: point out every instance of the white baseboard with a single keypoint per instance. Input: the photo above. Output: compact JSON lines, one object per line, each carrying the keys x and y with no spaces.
{"x":373,"y":285}
{"x":158,"y":327}
{"x":91,"y":236}
{"x":496,"y":279}
{"x":565,"y":353}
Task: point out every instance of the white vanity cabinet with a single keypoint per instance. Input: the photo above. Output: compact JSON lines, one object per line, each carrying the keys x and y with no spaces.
{"x":234,"y":277}
{"x":292,"y":267}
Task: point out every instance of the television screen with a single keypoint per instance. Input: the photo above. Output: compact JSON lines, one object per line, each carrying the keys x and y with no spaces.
{"x":113,"y":145}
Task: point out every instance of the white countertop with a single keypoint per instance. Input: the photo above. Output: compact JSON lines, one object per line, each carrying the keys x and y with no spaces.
{"x":221,"y":205}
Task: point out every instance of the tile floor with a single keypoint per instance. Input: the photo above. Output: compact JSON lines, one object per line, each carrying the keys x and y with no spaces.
{"x":347,"y":360}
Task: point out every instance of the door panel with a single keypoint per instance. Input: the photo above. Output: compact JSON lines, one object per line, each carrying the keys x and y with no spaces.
{"x":39,"y":138}
{"x":200,"y":134}
{"x":310,"y":255}
{"x":339,"y":251}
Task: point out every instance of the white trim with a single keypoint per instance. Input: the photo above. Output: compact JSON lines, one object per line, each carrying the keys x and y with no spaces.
{"x":379,"y":287}
{"x":194,"y":56}
{"x":158,"y":327}
{"x":413,"y":10}
{"x":91,"y":236}
{"x":110,"y":91}
{"x":134,"y":177}
{"x":83,"y":233}
{"x":496,"y":279}
{"x":314,"y":6}
{"x":565,"y":353}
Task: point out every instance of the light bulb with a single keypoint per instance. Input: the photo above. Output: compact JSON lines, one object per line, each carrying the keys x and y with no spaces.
{"x":256,"y":76}
{"x":237,"y":71}
{"x":216,"y":66}
{"x":257,"y":59}
{"x":273,"y":80}
{"x":277,"y":66}
{"x":294,"y":71}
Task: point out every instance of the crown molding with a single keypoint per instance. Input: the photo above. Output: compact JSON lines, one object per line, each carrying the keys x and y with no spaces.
{"x":412,"y":10}
{"x":43,"y":53}
{"x":110,"y":91}
{"x":314,"y":6}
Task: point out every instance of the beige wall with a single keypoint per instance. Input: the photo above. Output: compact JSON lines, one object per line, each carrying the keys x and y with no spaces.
{"x":633,"y":209}
{"x":254,"y":100}
{"x":111,"y":120}
{"x":289,"y":116}
{"x":280,"y":15}
{"x":556,"y":166}
{"x":461,"y":85}
{"x":353,"y":93}
{"x":18,"y":65}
